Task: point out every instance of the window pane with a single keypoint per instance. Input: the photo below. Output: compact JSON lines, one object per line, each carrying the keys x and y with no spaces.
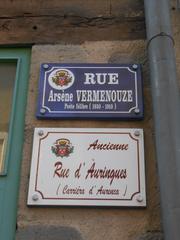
{"x":7,"y":78}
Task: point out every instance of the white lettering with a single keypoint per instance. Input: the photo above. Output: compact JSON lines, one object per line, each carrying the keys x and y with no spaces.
{"x":113,"y":78}
{"x":104,"y":95}
{"x":101,"y":78}
{"x":60,"y":97}
{"x":89,"y":78}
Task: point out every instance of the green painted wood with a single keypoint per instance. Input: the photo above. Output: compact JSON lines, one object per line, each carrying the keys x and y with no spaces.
{"x":9,"y":183}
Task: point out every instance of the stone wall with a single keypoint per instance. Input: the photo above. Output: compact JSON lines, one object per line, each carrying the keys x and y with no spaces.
{"x":87,"y":223}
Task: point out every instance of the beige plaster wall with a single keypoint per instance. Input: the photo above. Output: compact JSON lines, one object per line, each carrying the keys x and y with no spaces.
{"x":89,"y":223}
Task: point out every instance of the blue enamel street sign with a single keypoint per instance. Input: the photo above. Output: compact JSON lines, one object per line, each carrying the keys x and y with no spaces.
{"x":90,"y":91}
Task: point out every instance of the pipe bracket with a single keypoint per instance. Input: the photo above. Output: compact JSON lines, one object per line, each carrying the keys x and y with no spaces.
{"x":161,"y":34}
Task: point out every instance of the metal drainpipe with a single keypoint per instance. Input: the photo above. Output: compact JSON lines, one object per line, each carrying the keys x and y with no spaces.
{"x":166,"y":108}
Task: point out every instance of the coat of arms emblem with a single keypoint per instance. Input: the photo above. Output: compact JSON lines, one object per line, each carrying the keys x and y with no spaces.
{"x":62,"y":147}
{"x":62,"y":78}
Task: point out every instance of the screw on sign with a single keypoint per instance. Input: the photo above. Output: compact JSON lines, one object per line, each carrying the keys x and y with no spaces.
{"x":40,"y":132}
{"x":42,"y":111}
{"x":137,"y":133}
{"x":35,"y":197}
{"x":137,"y":111}
{"x":135,"y":66}
{"x":139,"y":198}
{"x":45,"y":66}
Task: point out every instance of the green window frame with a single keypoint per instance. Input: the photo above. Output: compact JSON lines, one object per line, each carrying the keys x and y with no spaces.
{"x":9,"y":181}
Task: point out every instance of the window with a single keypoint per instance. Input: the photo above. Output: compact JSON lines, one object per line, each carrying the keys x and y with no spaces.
{"x":14,"y":67}
{"x":7,"y":78}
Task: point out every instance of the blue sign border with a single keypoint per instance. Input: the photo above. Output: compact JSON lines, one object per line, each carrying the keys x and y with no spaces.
{"x":130,"y":72}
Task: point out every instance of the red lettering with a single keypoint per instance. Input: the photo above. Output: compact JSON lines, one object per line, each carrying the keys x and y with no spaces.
{"x":59,"y":171}
{"x":110,"y":146}
{"x":111,"y":174}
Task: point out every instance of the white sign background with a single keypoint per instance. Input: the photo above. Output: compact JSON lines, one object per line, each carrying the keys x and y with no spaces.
{"x":92,"y":174}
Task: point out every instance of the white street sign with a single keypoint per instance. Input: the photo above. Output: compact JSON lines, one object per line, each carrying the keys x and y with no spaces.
{"x":87,"y":167}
